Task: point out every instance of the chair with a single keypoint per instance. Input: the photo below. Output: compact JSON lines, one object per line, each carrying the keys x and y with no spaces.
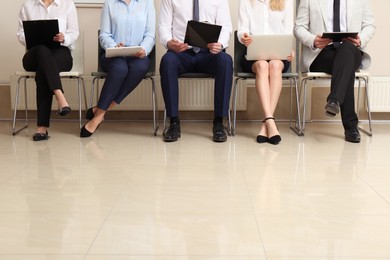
{"x":360,"y":76}
{"x":76,"y":73}
{"x":100,"y":74}
{"x":196,"y":75}
{"x":239,"y":52}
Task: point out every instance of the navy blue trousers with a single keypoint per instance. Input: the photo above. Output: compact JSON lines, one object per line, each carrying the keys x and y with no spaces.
{"x":219,"y":65}
{"x":123,"y":76}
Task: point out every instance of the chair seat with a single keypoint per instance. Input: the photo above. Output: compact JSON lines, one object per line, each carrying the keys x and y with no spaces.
{"x":62,"y":74}
{"x":98,"y":74}
{"x":360,"y":73}
{"x":25,"y":73}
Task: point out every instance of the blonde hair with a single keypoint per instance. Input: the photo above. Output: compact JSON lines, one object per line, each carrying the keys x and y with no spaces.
{"x":275,"y":5}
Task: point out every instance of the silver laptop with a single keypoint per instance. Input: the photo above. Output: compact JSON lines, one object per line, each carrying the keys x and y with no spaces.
{"x":270,"y":47}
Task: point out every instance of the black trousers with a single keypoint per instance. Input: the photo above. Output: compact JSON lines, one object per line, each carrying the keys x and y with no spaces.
{"x":47,"y":63}
{"x":342,"y":63}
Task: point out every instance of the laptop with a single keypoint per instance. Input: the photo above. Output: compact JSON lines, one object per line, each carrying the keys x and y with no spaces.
{"x":122,"y":51}
{"x":270,"y":47}
{"x":40,"y":32}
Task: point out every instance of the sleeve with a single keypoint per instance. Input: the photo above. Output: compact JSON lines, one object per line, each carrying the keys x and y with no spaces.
{"x":72,"y":28}
{"x":288,"y":21}
{"x":223,"y":18}
{"x":105,"y":36}
{"x":368,"y":25}
{"x":302,"y":23}
{"x":150,"y":32}
{"x":243,"y":21}
{"x":165,"y":22}
{"x":20,"y":32}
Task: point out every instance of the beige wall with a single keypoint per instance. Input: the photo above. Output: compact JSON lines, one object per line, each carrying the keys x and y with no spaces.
{"x":89,"y":18}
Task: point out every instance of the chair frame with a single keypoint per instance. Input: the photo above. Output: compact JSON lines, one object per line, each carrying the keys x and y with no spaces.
{"x":239,"y":52}
{"x":100,"y":75}
{"x":360,"y":76}
{"x":23,"y":76}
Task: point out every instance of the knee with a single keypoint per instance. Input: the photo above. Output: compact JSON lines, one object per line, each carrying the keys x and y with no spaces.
{"x":260,"y":66}
{"x":275,"y":67}
{"x":224,"y":58}
{"x":118,"y":69}
{"x":168,"y":61}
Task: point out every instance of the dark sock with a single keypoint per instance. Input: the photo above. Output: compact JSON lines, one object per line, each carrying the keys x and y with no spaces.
{"x":174,"y":119}
{"x":218,"y":119}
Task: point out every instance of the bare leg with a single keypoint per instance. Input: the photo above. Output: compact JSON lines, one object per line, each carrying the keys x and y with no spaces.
{"x":275,"y":88}
{"x":260,"y":68}
{"x":60,"y":98}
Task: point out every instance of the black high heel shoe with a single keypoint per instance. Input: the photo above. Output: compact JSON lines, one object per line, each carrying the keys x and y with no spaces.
{"x":63,"y":111}
{"x":85,"y":133}
{"x":90,"y":114}
{"x":275,"y":139}
{"x":261,"y":138}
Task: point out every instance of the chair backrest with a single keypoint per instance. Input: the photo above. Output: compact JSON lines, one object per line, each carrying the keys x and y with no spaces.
{"x":239,"y":53}
{"x":78,"y":54}
{"x":152,"y":57}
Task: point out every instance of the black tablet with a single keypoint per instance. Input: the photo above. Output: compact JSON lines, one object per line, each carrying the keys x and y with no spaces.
{"x":338,"y":36}
{"x":199,"y":34}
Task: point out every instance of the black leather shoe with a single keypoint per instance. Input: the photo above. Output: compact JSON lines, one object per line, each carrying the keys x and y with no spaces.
{"x":219,"y":133}
{"x":41,"y":136}
{"x":352,"y":135}
{"x":90,"y":114}
{"x":173,"y":132}
{"x":332,"y":108}
{"x":64,"y":111}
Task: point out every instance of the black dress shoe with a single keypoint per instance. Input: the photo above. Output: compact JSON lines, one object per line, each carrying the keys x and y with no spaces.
{"x":219,"y":133}
{"x":64,"y":111}
{"x":90,"y":114}
{"x":352,"y":135}
{"x":332,"y":108}
{"x":41,"y":136}
{"x":173,"y":132}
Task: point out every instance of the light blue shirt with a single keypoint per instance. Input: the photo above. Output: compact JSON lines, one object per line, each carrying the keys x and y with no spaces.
{"x":134,"y":24}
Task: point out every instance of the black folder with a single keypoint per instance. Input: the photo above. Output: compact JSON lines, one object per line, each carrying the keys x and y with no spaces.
{"x":40,"y":32}
{"x":199,"y":34}
{"x":338,"y":36}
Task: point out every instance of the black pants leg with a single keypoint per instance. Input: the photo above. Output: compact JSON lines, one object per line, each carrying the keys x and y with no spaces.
{"x":47,"y":63}
{"x":342,"y":63}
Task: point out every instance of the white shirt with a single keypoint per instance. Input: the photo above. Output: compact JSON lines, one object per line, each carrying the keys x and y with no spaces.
{"x":174,"y":15}
{"x":260,"y":19}
{"x":62,"y":10}
{"x":343,"y":16}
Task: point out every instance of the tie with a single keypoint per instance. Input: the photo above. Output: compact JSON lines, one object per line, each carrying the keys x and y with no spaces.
{"x":336,"y":16}
{"x":196,"y":18}
{"x":336,"y":20}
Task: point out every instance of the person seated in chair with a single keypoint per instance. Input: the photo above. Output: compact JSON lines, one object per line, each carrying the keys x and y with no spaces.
{"x":251,"y":21}
{"x":48,"y":61}
{"x":340,"y":59}
{"x":181,"y":58}
{"x":123,"y":23}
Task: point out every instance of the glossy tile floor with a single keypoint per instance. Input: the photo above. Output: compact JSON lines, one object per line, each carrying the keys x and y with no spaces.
{"x":125,"y":194}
